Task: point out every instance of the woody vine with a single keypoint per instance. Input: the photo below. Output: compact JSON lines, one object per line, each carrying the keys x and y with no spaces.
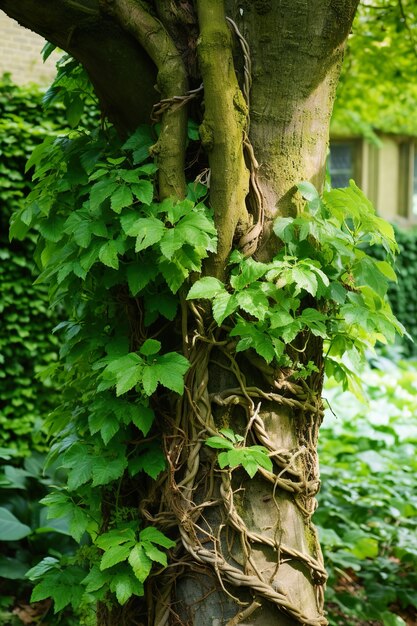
{"x":182,"y":339}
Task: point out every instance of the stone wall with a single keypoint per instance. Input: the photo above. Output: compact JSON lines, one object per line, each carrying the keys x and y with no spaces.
{"x":20,"y":54}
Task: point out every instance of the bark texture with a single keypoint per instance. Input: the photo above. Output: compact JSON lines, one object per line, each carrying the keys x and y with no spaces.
{"x":249,"y":551}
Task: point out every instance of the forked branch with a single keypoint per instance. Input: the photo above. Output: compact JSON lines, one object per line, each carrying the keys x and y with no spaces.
{"x":171,"y":82}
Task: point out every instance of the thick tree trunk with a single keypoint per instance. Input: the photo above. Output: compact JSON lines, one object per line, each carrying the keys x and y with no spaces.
{"x":249,"y":551}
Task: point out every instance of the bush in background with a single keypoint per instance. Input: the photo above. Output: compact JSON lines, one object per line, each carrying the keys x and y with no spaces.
{"x":367,"y":515}
{"x":26,"y":343}
{"x":403,"y":295}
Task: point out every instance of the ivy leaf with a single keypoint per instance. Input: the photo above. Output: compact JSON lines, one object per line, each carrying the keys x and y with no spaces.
{"x":219,"y":442}
{"x":100,"y":191}
{"x":172,"y":368}
{"x":108,"y":254}
{"x":154,"y":553}
{"x":152,"y":534}
{"x":174,"y":274}
{"x":252,"y":337}
{"x":96,"y":579}
{"x":253,"y":301}
{"x":114,"y":555}
{"x":116,"y":537}
{"x":284,"y":229}
{"x":250,"y":271}
{"x":143,"y":190}
{"x":140,"y":562}
{"x":143,"y":417}
{"x":121,"y":198}
{"x":150,"y":347}
{"x":150,"y":378}
{"x":151,"y":461}
{"x":206,"y":288}
{"x":224,"y":304}
{"x":149,"y":231}
{"x":107,"y":470}
{"x":124,"y":586}
{"x":140,"y":274}
{"x":304,"y":279}
{"x":128,"y":378}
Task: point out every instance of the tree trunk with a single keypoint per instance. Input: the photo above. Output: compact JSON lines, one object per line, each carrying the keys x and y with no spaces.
{"x":249,"y":552}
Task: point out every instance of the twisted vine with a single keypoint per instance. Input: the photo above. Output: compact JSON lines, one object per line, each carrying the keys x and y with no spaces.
{"x":187,"y":459}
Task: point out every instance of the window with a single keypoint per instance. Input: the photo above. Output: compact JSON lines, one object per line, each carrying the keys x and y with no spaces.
{"x":343,"y":163}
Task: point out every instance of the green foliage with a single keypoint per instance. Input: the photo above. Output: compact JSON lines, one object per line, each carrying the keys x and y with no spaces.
{"x":380,"y":62}
{"x":402,"y":295}
{"x":115,"y":259}
{"x":251,"y":458}
{"x":24,"y":311}
{"x":321,"y":283}
{"x":368,"y":500}
{"x":25,"y":533}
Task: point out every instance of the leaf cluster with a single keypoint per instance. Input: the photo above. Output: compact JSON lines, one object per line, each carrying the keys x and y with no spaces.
{"x":236,"y":454}
{"x":114,"y":258}
{"x":322,"y":282}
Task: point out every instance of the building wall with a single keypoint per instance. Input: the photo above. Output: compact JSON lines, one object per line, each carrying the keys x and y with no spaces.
{"x":20,"y":54}
{"x":388,"y":179}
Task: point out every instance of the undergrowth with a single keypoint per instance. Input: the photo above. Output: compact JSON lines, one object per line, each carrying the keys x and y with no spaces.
{"x":368,"y":500}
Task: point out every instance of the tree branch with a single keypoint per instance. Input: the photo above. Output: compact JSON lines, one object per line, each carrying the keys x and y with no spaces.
{"x":171,"y":81}
{"x":222,"y":131}
{"x":123,"y":75}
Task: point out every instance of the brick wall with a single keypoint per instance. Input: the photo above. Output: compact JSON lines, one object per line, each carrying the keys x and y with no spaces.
{"x":20,"y":54}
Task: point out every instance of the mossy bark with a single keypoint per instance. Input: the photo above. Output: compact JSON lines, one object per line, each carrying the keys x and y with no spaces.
{"x":223,"y":128}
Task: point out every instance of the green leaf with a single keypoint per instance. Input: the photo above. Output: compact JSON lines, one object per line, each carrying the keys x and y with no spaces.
{"x":107,"y":470}
{"x":150,"y":378}
{"x":308,"y":191}
{"x":121,"y":198}
{"x":100,"y":191}
{"x":172,"y":241}
{"x":140,"y":274}
{"x":140,"y":562}
{"x":224,"y":304}
{"x":253,"y":301}
{"x":174,"y":274}
{"x":250,"y":271}
{"x":115,"y":554}
{"x":283,"y":228}
{"x":124,"y":587}
{"x":305,"y":279}
{"x":116,"y":537}
{"x":96,"y":579}
{"x":143,"y":418}
{"x":154,"y":553}
{"x":171,"y":369}
{"x":149,"y":231}
{"x":152,"y":534}
{"x":38,"y":571}
{"x":219,"y":443}
{"x":151,"y":461}
{"x":207,"y":287}
{"x":108,"y":254}
{"x":127,"y":379}
{"x":52,"y":228}
{"x":143,"y":190}
{"x":150,"y":347}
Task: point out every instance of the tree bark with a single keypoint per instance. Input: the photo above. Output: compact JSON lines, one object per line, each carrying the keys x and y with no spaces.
{"x":123,"y":75}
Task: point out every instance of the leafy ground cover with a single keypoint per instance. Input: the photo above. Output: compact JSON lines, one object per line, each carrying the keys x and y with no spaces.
{"x":367,"y":514}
